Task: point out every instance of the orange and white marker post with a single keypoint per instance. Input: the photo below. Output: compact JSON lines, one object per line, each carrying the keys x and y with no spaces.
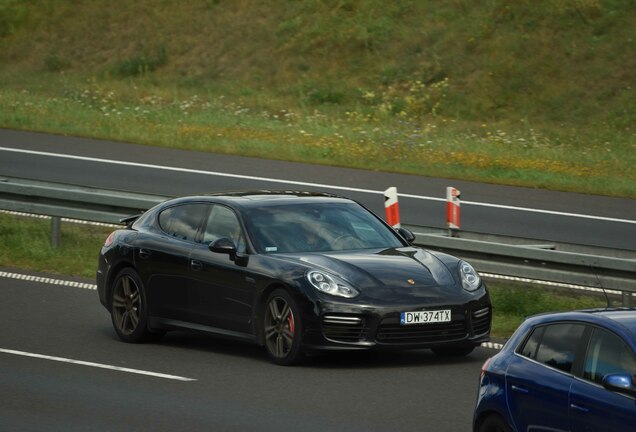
{"x":452,"y":211}
{"x":391,"y":207}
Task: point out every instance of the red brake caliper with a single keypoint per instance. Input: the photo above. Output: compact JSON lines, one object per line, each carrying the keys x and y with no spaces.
{"x":290,"y":321}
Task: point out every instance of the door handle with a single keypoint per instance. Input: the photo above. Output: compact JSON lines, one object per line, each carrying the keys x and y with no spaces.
{"x":520,"y":389}
{"x":196,"y":265}
{"x":579,"y":408}
{"x":144,"y":254}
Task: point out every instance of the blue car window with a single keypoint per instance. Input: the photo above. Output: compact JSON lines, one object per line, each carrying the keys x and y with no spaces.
{"x":606,"y":354}
{"x":559,"y":345}
{"x":529,"y":348}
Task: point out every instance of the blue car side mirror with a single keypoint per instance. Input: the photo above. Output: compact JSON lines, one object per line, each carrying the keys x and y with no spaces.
{"x":621,"y":383}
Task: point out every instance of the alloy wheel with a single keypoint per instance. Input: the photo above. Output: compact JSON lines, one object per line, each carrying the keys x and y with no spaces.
{"x":280,"y":326}
{"x":126,"y":305}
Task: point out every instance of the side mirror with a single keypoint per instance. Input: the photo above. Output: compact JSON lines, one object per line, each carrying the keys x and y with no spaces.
{"x":225,"y":246}
{"x":621,"y":383}
{"x":406,"y":235}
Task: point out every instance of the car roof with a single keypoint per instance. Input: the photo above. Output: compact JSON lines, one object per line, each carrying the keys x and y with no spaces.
{"x":262,"y":198}
{"x":620,"y":320}
{"x":625,"y":317}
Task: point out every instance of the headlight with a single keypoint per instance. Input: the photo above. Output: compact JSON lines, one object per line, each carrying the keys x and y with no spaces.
{"x":330,"y":285}
{"x":470,"y":278}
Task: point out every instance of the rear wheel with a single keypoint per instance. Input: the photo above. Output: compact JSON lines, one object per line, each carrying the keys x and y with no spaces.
{"x":282,"y":328}
{"x":494,"y":423}
{"x":129,"y":312}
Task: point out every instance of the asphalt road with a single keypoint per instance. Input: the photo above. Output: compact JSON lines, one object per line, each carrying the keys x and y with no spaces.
{"x":521,"y":212}
{"x":234,"y":387}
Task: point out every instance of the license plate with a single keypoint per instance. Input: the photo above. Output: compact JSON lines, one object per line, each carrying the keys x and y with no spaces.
{"x":425,"y":317}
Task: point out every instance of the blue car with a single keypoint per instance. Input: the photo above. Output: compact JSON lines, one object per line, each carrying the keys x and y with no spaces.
{"x":569,"y":371}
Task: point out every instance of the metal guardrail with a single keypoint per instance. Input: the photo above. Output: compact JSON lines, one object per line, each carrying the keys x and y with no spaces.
{"x":570,"y":264}
{"x":600,"y":268}
{"x":69,"y":201}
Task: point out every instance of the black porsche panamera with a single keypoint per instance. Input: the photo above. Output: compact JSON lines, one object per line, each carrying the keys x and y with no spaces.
{"x":296,"y":272}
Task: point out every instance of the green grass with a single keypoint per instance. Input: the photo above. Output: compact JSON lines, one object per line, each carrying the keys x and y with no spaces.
{"x":26,"y":245}
{"x":534,"y":93}
{"x":370,"y":137}
{"x":513,"y":302}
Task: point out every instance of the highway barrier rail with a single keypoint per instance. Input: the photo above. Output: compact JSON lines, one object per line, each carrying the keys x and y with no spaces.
{"x":583,"y":266}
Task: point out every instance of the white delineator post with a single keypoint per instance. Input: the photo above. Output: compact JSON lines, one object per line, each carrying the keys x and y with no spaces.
{"x":391,"y":207}
{"x":452,"y":211}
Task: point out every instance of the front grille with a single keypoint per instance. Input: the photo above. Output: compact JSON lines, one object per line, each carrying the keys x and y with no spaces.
{"x":391,"y":332}
{"x":344,"y":328}
{"x":481,"y":321}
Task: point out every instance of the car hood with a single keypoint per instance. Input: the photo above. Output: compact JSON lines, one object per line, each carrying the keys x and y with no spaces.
{"x":402,"y":275}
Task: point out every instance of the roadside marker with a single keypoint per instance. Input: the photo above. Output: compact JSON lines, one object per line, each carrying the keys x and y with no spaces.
{"x":391,"y":207}
{"x":452,"y":211}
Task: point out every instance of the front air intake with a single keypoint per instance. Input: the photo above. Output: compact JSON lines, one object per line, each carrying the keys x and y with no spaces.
{"x":341,"y":328}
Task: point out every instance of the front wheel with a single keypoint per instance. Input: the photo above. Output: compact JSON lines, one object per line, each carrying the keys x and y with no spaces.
{"x":494,"y":423}
{"x":282,"y":327}
{"x":129,"y":312}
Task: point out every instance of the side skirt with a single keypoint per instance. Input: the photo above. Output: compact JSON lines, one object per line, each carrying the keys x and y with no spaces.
{"x":170,"y":324}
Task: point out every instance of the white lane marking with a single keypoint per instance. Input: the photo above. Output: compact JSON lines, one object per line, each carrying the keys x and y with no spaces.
{"x":299,"y":183}
{"x":492,"y":345}
{"x":49,"y":281}
{"x":96,"y":365}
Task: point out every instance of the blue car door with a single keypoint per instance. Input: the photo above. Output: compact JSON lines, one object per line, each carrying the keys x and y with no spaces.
{"x":593,"y":407}
{"x":537,"y":396}
{"x":538,"y":378}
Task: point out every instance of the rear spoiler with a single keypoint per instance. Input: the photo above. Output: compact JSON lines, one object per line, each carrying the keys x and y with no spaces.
{"x":129,"y":220}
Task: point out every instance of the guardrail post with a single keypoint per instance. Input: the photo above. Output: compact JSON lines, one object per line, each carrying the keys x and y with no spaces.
{"x":627,"y":299}
{"x":56,"y":232}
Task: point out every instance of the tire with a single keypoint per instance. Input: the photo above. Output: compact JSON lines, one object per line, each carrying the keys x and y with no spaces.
{"x":282,"y":329}
{"x":129,"y":312}
{"x":454,"y":351}
{"x":494,"y":423}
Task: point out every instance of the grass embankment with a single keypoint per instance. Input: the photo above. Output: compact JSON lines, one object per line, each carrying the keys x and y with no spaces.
{"x":535,"y":93}
{"x":26,"y":245}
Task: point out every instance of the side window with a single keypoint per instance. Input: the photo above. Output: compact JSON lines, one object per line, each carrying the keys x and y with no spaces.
{"x":529,"y":349}
{"x":554,"y":345}
{"x":559,"y":344}
{"x":182,"y":221}
{"x":222,"y":222}
{"x":606,"y":354}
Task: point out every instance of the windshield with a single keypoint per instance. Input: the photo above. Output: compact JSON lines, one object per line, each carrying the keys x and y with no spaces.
{"x":317,"y":228}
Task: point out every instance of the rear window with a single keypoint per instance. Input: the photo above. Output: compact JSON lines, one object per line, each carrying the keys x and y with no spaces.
{"x":182,"y":221}
{"x":554,"y":345}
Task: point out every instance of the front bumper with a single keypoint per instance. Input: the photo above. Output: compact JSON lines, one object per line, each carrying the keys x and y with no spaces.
{"x":337,"y":326}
